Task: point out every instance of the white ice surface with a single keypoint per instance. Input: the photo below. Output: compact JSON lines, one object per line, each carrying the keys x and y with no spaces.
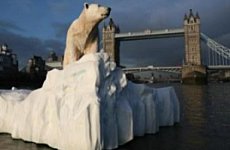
{"x":88,"y":105}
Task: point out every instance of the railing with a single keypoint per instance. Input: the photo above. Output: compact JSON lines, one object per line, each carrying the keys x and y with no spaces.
{"x":221,"y":55}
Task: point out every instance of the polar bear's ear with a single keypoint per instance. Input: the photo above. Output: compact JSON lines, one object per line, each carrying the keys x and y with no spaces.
{"x":86,"y":5}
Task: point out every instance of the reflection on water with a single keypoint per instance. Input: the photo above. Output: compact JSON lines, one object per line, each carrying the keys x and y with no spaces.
{"x":205,"y":124}
{"x":205,"y":121}
{"x":194,"y":115}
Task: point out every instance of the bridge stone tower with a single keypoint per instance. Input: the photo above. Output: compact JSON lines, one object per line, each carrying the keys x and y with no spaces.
{"x":192,"y":69}
{"x":110,"y":44}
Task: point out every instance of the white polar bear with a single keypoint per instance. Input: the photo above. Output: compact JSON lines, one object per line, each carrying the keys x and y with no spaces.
{"x":82,"y":35}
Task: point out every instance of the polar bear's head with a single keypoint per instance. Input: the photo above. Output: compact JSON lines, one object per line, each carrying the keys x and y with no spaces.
{"x":96,"y":12}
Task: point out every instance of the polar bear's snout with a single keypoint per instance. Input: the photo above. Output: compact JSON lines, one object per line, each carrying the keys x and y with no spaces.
{"x":109,"y":9}
{"x":107,"y":12}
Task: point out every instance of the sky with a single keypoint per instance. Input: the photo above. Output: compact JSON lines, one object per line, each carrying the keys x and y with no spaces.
{"x":35,"y":27}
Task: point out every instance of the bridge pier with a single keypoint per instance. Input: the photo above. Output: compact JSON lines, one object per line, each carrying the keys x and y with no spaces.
{"x":193,"y":74}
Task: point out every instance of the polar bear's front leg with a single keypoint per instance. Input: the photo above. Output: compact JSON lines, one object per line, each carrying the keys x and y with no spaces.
{"x":71,"y":55}
{"x":92,"y":48}
{"x":92,"y":42}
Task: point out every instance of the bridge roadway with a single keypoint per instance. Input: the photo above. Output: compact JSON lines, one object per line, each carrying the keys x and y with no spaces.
{"x":172,"y":69}
{"x":150,"y":34}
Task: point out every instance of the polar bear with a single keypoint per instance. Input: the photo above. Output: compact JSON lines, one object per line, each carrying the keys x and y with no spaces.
{"x":82,"y":35}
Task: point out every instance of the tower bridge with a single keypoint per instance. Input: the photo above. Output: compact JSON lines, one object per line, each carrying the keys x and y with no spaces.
{"x":218,"y":56}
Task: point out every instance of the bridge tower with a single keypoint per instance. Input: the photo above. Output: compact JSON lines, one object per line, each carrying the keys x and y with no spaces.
{"x":192,"y":69}
{"x":110,"y":44}
{"x":192,"y":39}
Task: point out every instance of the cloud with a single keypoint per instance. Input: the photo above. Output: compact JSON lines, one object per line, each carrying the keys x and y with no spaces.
{"x":60,"y":29}
{"x":59,"y":7}
{"x":22,"y":5}
{"x":26,"y":47}
{"x":157,"y":52}
{"x":224,"y":39}
{"x":7,"y":25}
{"x":55,"y":45}
{"x":65,"y":8}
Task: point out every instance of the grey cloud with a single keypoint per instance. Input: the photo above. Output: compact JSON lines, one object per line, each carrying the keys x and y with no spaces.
{"x":59,"y":6}
{"x":65,"y":8}
{"x":217,"y":23}
{"x":60,"y":29}
{"x":21,"y":5}
{"x":55,"y":45}
{"x":158,"y":52}
{"x":7,"y":25}
{"x":26,"y":47}
{"x":224,"y":39}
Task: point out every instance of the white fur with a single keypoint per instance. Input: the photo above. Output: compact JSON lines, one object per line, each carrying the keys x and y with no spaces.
{"x":82,"y":35}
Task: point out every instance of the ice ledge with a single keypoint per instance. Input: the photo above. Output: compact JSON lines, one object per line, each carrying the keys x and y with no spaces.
{"x":88,"y":105}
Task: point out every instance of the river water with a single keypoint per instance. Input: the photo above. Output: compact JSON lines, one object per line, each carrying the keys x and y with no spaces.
{"x":205,"y":123}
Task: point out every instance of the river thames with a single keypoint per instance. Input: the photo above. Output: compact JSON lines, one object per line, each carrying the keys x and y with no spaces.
{"x":204,"y":125}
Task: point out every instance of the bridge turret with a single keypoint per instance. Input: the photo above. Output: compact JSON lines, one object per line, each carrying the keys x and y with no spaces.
{"x":190,"y":13}
{"x":185,"y":17}
{"x":191,"y":18}
{"x":110,"y":45}
{"x":197,"y":17}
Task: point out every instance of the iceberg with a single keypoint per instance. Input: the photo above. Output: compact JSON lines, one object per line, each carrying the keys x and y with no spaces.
{"x":88,"y":105}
